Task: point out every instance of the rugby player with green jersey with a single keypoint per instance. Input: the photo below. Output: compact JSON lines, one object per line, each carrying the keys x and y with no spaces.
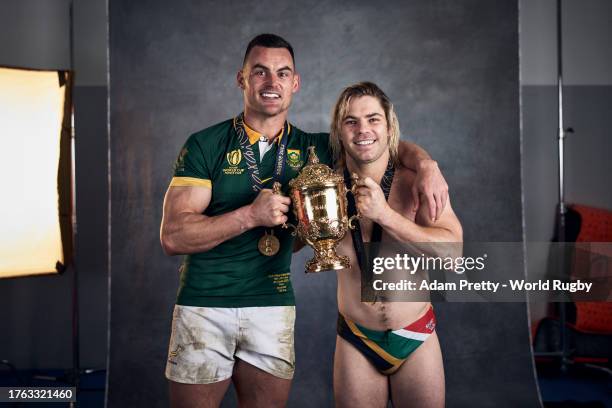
{"x":235,"y":314}
{"x":235,"y":273}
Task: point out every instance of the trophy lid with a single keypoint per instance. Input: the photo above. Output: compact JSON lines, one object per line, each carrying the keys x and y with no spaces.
{"x":315,"y":174}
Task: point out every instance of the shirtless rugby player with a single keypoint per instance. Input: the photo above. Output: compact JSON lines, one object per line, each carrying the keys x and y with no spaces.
{"x":384,"y":350}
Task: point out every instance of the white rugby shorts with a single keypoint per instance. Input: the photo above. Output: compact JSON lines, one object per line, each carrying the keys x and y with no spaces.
{"x":206,"y":340}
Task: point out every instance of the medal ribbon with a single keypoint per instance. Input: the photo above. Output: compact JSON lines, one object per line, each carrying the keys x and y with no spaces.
{"x":365,"y":260}
{"x":249,"y":155}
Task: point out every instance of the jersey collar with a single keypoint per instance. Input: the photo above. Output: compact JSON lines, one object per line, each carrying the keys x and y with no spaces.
{"x":254,"y":136}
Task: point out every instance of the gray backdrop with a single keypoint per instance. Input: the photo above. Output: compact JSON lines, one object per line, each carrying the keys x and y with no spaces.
{"x":451,"y":69}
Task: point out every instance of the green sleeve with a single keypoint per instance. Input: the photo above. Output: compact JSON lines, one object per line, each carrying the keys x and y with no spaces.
{"x":191,"y":161}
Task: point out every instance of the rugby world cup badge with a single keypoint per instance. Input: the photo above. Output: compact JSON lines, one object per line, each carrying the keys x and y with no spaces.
{"x":233,"y":158}
{"x":294,"y":159}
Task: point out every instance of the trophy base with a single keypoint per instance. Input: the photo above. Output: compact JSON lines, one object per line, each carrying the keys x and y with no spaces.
{"x":326,"y":259}
{"x":314,"y":266}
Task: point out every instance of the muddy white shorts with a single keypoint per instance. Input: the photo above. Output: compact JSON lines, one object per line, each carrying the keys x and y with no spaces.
{"x":206,"y":340}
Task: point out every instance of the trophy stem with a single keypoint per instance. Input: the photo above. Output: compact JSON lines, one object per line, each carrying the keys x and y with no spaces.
{"x":326,"y":258}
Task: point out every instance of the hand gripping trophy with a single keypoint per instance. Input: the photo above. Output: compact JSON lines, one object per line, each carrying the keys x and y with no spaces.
{"x":320,"y":206}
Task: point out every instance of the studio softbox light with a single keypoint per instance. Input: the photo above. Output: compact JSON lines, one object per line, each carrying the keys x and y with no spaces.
{"x":35,"y":172}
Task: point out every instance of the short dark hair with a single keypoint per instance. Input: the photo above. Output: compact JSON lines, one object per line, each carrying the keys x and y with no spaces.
{"x":268,"y":41}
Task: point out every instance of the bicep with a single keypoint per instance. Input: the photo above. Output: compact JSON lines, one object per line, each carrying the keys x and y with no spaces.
{"x":185,"y":200}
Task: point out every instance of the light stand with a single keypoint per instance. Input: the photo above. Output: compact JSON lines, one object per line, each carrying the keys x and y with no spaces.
{"x":560,"y":220}
{"x":561,"y":209}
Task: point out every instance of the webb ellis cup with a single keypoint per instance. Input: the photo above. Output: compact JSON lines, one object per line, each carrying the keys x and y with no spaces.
{"x":320,"y":206}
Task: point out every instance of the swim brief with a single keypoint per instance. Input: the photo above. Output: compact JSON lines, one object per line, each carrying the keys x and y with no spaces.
{"x":387,"y":350}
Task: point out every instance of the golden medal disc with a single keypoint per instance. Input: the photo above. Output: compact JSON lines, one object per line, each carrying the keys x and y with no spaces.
{"x":268,"y":245}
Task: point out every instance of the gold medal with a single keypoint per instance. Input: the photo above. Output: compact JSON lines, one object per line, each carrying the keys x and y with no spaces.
{"x":268,"y":245}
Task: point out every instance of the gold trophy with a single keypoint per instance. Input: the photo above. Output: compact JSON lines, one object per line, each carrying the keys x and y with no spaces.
{"x":320,"y":206}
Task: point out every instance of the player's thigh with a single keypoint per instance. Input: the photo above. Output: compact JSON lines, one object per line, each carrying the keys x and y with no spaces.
{"x":356,"y":382}
{"x":420,"y":380}
{"x":265,"y":357}
{"x":197,"y":395}
{"x":258,"y":389}
{"x":266,"y":339}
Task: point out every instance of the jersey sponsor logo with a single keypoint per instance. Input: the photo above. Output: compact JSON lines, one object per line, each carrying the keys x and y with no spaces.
{"x":234,"y":158}
{"x":293,"y":159}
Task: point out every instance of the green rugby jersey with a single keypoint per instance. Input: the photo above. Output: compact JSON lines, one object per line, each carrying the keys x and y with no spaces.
{"x":235,"y":273}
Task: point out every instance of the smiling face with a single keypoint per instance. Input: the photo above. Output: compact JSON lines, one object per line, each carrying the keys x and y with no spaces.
{"x":364,"y":126}
{"x":364,"y":132}
{"x":268,"y":80}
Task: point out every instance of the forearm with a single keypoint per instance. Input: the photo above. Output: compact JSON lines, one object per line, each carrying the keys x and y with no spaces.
{"x":434,"y":241}
{"x":191,"y":233}
{"x":412,"y":156}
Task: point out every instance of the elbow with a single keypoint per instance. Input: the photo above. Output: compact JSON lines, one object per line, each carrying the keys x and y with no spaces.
{"x":167,"y":243}
{"x":168,"y":247}
{"x":453,"y":247}
{"x":459,"y":234}
{"x":458,"y":247}
{"x":172,"y":247}
{"x":455,"y":233}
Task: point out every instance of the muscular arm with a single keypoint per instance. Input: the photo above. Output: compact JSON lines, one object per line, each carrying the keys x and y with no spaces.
{"x":429,"y":182}
{"x":185,"y":230}
{"x":372,"y":204}
{"x":442,"y":239}
{"x":412,"y":155}
{"x":445,"y":229}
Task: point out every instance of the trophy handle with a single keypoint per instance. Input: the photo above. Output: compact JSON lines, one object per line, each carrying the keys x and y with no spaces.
{"x":354,"y":179}
{"x":276,"y":189}
{"x":308,"y":241}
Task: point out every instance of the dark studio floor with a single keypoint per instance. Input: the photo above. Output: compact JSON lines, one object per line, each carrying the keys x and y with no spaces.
{"x":578,"y":387}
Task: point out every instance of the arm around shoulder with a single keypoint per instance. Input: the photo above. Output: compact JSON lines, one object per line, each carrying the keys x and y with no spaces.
{"x":429,"y":182}
{"x":411,"y":155}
